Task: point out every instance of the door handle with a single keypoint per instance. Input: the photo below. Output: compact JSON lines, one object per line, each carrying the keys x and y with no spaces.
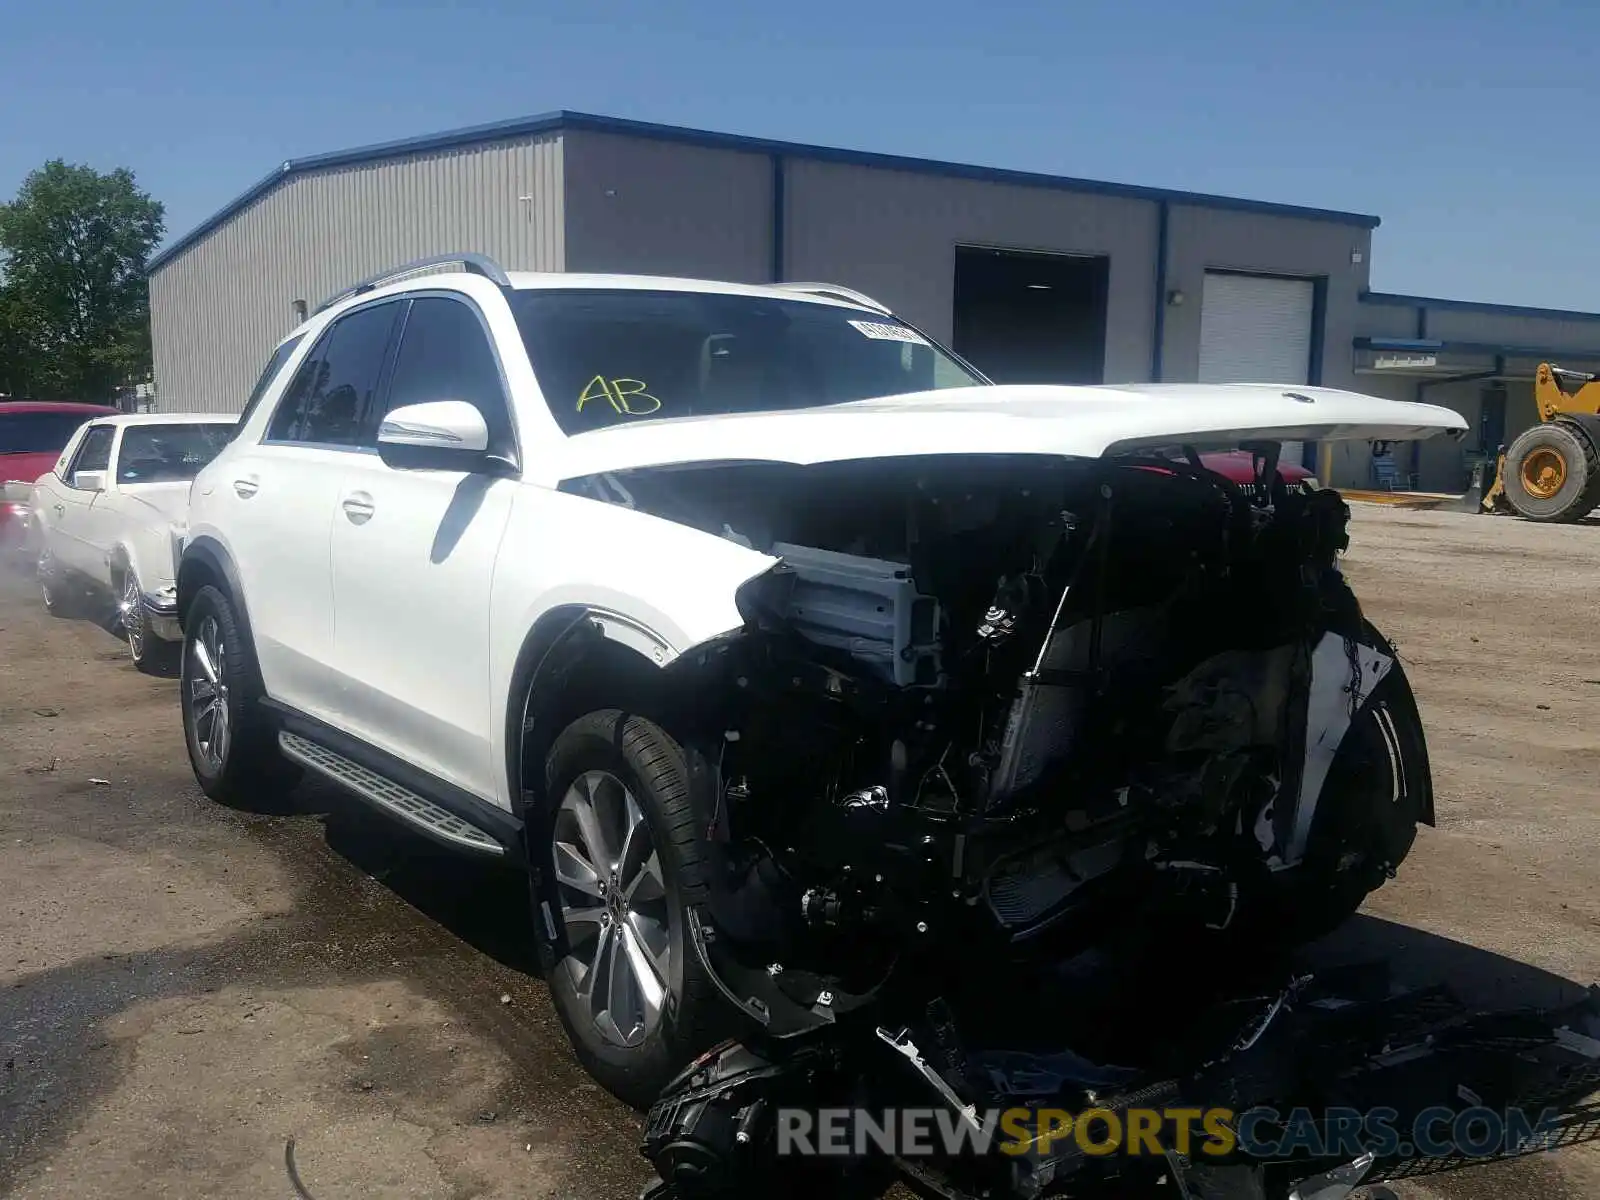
{"x":246,"y":486}
{"x":358,"y":507}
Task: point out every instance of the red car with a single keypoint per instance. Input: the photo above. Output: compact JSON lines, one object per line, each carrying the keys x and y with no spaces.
{"x":32,"y":433}
{"x":1239,"y":466}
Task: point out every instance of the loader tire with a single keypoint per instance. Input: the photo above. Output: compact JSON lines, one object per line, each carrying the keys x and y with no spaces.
{"x":1552,"y":473}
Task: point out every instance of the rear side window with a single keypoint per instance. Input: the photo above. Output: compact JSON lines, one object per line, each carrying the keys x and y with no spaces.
{"x":333,"y":392}
{"x":445,"y":355}
{"x":268,"y":374}
{"x":168,"y":453}
{"x":95,"y":453}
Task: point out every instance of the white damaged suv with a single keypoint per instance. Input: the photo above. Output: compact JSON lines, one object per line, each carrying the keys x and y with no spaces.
{"x":808,"y":672}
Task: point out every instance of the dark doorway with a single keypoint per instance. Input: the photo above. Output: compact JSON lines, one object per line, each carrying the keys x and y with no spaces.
{"x":1022,"y":317}
{"x":1491,"y":419}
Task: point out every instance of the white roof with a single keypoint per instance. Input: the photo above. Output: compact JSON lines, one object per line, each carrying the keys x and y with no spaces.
{"x":842,"y":298}
{"x":168,"y":419}
{"x":1078,"y":422}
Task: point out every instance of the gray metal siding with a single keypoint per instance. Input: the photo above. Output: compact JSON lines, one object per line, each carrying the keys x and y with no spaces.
{"x":1386,"y":320}
{"x":219,"y":307}
{"x":646,"y":207}
{"x":1459,"y":325}
{"x":893,"y":235}
{"x":1207,"y":239}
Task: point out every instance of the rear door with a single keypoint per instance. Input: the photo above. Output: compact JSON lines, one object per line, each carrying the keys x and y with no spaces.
{"x":413,"y":558}
{"x":278,"y":499}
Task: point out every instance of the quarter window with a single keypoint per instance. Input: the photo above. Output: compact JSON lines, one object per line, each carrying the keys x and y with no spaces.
{"x":95,"y":453}
{"x":445,"y":354}
{"x":274,"y":365}
{"x":333,"y":392}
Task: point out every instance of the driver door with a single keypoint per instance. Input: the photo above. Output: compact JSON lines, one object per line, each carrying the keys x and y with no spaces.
{"x":413,"y":558}
{"x":70,"y":508}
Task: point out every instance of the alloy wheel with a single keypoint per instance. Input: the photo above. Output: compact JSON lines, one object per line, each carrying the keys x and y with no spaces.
{"x":206,"y":682}
{"x":45,"y":572}
{"x":131,"y":610}
{"x":614,"y":904}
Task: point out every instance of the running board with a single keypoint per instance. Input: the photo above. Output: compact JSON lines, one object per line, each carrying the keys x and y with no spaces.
{"x":415,"y":810}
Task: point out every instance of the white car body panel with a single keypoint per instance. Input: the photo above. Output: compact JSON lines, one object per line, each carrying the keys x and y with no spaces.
{"x":404,"y":629}
{"x":94,"y":533}
{"x":1081,"y":422}
{"x":276,"y":504}
{"x":413,"y":559}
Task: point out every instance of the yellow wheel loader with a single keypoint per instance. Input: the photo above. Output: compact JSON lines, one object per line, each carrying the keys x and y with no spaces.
{"x":1552,"y":471}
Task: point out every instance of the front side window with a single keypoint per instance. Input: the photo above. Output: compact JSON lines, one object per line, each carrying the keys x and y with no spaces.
{"x":445,"y":354}
{"x":334,"y":389}
{"x":37,"y":432}
{"x":169,"y":453}
{"x":611,"y":357}
{"x":95,"y":453}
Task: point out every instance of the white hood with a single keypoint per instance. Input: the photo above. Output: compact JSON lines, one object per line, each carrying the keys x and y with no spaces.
{"x":1079,"y":422}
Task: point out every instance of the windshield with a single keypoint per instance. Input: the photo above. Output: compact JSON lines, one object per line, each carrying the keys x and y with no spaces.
{"x":38,"y":432}
{"x":168,"y":453}
{"x":609,"y":357}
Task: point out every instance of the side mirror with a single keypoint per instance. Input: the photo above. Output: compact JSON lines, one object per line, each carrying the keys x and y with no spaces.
{"x":444,"y":435}
{"x":89,"y":481}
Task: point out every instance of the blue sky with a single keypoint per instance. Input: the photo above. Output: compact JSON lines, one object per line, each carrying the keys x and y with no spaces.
{"x":1469,"y":126}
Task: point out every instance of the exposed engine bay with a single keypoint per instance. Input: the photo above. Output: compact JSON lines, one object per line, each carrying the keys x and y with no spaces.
{"x":980,"y":698}
{"x":991,"y":713}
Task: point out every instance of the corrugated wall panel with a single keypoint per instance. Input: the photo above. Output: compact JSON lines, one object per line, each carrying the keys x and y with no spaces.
{"x":217,"y":309}
{"x":894,"y":234}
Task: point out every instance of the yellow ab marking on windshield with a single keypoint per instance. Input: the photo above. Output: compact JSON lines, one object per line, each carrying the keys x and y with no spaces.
{"x":627,"y":397}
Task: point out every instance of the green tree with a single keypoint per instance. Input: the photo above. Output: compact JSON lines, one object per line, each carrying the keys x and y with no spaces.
{"x":74,"y":306}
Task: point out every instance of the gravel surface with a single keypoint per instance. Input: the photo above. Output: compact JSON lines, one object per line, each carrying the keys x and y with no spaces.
{"x":185,"y":989}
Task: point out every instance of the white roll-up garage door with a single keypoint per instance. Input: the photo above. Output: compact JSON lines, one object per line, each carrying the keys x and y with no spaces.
{"x":1256,"y":330}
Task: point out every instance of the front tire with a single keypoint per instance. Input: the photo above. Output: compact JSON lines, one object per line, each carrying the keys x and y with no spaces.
{"x":621,"y":859}
{"x":1377,"y":791}
{"x":150,"y":654}
{"x":232,"y":743}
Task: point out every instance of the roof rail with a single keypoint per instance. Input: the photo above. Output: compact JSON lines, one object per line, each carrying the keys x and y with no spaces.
{"x":838,"y":292}
{"x":473,"y":264}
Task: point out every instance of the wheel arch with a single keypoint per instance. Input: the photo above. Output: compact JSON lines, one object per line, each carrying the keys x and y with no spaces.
{"x":207,"y":562}
{"x":575,"y":657}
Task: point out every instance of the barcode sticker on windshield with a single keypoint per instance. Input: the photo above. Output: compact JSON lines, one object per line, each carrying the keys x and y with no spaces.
{"x":883,"y":332}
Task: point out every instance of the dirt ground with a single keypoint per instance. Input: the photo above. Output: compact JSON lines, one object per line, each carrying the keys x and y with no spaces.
{"x":188,"y":994}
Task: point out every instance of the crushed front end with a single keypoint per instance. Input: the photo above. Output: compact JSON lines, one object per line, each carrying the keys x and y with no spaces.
{"x":995,"y":727}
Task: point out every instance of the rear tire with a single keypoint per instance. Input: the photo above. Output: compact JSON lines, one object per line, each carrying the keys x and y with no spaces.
{"x":621,"y":860}
{"x":232,"y":743}
{"x":61,"y":598}
{"x":1552,"y":473}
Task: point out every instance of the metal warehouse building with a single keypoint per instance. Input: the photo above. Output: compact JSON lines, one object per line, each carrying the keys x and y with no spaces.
{"x":1034,"y":278}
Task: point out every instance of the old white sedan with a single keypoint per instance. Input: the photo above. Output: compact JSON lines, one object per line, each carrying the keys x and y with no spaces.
{"x":108,"y":521}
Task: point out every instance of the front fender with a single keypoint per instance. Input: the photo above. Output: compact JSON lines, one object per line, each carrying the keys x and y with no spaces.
{"x":205,"y":557}
{"x":1344,"y":679}
{"x":654,"y":586}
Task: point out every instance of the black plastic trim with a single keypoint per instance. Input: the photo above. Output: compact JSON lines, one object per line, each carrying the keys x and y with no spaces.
{"x":210,"y":552}
{"x":496,"y":822}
